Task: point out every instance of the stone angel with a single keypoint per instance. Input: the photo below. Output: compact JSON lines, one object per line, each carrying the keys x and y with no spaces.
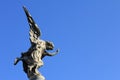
{"x":32,"y":59}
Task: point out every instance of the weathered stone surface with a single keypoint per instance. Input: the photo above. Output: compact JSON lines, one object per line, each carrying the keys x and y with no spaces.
{"x":32,"y":59}
{"x":37,"y":77}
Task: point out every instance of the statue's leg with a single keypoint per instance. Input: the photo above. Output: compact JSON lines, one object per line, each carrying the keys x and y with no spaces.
{"x":35,"y":69}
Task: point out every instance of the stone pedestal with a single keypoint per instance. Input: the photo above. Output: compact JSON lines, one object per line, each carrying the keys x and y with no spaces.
{"x":37,"y":77}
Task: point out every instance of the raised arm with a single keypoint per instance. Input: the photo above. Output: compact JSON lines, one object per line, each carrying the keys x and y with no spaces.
{"x":50,"y":54}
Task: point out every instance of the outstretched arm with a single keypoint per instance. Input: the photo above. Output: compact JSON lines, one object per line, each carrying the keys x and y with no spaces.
{"x":17,"y":60}
{"x":50,"y":54}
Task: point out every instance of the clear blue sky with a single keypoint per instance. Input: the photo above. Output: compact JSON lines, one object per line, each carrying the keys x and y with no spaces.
{"x":86,"y":31}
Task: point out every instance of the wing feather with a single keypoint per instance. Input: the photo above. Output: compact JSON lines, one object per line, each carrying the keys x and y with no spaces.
{"x":34,"y":29}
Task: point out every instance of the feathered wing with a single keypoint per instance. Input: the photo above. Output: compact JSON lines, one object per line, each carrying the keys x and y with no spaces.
{"x":34,"y":30}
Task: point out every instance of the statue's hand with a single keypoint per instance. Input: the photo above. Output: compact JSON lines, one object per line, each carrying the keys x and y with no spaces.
{"x":57,"y":51}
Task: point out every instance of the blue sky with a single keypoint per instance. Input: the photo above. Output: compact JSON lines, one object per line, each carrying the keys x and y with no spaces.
{"x":87,"y":32}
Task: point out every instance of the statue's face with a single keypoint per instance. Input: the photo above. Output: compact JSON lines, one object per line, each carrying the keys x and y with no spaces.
{"x":49,"y":45}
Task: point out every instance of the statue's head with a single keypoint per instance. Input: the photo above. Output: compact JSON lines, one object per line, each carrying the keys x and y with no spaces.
{"x":49,"y":45}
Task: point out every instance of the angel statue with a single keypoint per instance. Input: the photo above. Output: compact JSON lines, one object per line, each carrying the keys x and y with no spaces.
{"x":32,"y":59}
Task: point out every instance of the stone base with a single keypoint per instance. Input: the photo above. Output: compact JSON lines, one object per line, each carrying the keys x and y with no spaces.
{"x":37,"y":77}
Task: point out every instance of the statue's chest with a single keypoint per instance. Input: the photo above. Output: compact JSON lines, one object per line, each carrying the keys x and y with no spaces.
{"x":37,"y":53}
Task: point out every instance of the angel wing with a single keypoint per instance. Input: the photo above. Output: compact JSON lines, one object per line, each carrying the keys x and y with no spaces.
{"x":34,"y":30}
